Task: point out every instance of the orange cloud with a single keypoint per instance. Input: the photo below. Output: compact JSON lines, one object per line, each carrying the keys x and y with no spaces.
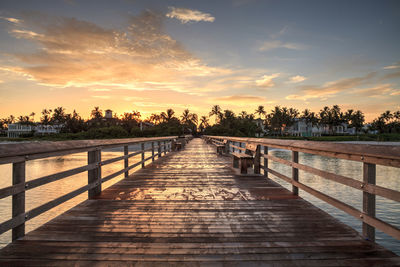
{"x":267,"y":80}
{"x":330,"y":89}
{"x":241,"y":99}
{"x":82,"y":54}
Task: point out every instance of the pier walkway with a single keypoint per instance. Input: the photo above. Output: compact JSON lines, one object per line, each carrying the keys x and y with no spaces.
{"x":190,"y":208}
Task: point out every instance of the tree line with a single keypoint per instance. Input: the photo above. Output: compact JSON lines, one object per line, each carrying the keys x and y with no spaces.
{"x":277,"y":122}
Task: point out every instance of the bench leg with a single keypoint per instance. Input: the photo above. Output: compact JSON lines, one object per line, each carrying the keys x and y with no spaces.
{"x":235,"y":162}
{"x":219,"y":150}
{"x":243,"y":166}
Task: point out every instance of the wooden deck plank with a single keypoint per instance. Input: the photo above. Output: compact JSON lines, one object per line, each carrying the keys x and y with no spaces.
{"x":190,"y":209}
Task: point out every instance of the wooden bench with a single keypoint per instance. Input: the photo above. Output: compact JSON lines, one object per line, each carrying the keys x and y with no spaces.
{"x":221,"y":147}
{"x":246,"y":160}
{"x":178,"y":146}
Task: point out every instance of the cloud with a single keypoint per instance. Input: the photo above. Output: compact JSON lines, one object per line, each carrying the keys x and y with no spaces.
{"x":240,"y":100}
{"x":377,"y":91}
{"x":280,"y":33}
{"x":330,"y":89}
{"x":79,"y":53}
{"x":236,"y":98}
{"x":12,"y":20}
{"x":297,"y":79}
{"x":391,"y":67}
{"x":186,"y":15}
{"x":101,"y":96}
{"x":392,"y":75}
{"x":267,"y":80}
{"x":274,"y":44}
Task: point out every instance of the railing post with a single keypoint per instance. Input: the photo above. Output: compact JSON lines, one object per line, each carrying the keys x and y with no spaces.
{"x":265,"y":162}
{"x":152,"y":151}
{"x":126,"y":161}
{"x":159,"y":149}
{"x":142,"y":146}
{"x":257,"y":160}
{"x":18,"y":200}
{"x":172,"y":147}
{"x":94,"y":175}
{"x":369,"y":177}
{"x":295,"y":172}
{"x":227,"y":149}
{"x":165,"y":148}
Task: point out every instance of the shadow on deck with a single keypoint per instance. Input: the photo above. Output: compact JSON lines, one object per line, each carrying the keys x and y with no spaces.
{"x":189,"y":208}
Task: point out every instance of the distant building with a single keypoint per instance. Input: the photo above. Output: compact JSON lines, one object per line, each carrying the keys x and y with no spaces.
{"x":260,"y":123}
{"x":301,"y":128}
{"x":17,"y":129}
{"x":108,"y":114}
{"x":47,"y":129}
{"x":145,"y":125}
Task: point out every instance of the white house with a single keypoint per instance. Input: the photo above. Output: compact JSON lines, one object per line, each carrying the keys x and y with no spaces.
{"x":260,"y":123}
{"x":47,"y":129}
{"x":17,"y":129}
{"x":301,"y":128}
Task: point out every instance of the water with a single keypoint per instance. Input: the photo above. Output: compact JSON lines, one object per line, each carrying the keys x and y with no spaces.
{"x":387,"y":210}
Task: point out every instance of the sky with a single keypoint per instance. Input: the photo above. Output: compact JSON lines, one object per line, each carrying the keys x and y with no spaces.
{"x":150,"y":55}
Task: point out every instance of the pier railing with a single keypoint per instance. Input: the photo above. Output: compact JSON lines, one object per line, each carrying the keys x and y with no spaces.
{"x":369,"y":155}
{"x":18,"y":154}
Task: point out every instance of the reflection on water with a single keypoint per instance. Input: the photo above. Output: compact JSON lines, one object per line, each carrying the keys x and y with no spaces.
{"x":386,"y":210}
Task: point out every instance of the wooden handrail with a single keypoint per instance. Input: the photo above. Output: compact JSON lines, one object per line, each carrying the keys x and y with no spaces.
{"x":376,"y":154}
{"x":370,"y":155}
{"x":35,"y":150}
{"x":19,"y":153}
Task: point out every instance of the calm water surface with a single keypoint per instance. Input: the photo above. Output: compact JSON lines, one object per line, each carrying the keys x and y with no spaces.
{"x":387,"y":210}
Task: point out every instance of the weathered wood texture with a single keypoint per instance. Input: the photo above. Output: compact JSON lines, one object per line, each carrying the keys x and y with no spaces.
{"x":189,"y":208}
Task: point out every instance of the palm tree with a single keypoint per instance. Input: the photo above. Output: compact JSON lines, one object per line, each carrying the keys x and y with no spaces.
{"x":163,"y":117}
{"x":58,"y":115}
{"x":204,"y":122}
{"x":243,"y":114}
{"x":260,"y":111}
{"x":155,"y":118}
{"x":216,"y":110}
{"x":45,"y":119}
{"x":33,"y":116}
{"x":170,"y":114}
{"x":185,"y":118}
{"x":97,"y":113}
{"x":387,"y":116}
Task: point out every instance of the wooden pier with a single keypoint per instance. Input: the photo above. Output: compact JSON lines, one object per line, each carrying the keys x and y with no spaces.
{"x":190,"y":208}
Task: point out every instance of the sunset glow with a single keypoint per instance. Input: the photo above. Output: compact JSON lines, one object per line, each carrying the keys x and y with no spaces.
{"x":154,"y":55}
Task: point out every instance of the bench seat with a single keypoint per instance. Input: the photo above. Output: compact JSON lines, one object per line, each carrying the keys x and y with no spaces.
{"x":245,"y":160}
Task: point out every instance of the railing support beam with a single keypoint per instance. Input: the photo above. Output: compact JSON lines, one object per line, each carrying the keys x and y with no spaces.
{"x":369,"y":203}
{"x":142,"y":147}
{"x":152,"y":151}
{"x":126,"y":161}
{"x":257,"y":160}
{"x":295,"y":172}
{"x":18,"y":200}
{"x":94,"y":176}
{"x":265,"y":162}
